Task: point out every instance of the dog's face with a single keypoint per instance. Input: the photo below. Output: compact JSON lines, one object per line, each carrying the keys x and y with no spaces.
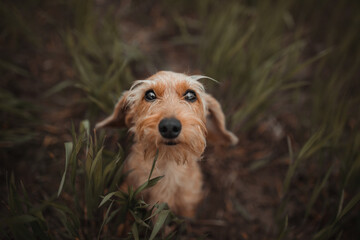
{"x":171,"y":112}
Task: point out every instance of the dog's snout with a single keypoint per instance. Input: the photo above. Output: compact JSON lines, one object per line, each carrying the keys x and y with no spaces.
{"x":170,"y":128}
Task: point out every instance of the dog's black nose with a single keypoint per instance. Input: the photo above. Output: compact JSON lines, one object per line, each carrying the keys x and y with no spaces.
{"x":170,"y":128}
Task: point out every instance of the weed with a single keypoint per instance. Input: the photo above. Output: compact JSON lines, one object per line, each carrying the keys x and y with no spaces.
{"x":101,"y":60}
{"x":90,"y":172}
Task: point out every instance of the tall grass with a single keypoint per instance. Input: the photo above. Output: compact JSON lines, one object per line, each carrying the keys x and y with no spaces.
{"x":88,"y":203}
{"x":260,"y":52}
{"x":271,"y":57}
{"x":15,"y":25}
{"x":101,"y":58}
{"x":249,"y":48}
{"x":18,"y":118}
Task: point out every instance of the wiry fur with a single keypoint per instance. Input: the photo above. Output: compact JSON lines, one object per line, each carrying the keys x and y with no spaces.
{"x":182,"y":182}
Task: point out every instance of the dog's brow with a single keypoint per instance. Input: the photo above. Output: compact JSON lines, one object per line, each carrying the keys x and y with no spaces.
{"x":137,"y":84}
{"x":196,"y":85}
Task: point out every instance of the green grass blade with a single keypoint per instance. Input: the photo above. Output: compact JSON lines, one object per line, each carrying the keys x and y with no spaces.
{"x":309,"y":62}
{"x":97,"y":160}
{"x":154,"y":162}
{"x":138,"y":219}
{"x":284,"y":229}
{"x":341,"y":203}
{"x":14,"y":68}
{"x":324,"y":233}
{"x":147,"y":185}
{"x":317,"y":190}
{"x":106,"y":198}
{"x":105,"y":220}
{"x":159,"y":223}
{"x":160,"y":207}
{"x":85,"y":126}
{"x":58,"y":88}
{"x":68,"y":151}
{"x":135,"y":231}
{"x":352,"y":203}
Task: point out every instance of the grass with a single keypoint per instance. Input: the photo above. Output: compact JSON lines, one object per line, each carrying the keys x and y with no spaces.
{"x":23,"y":113}
{"x":251,"y":56}
{"x":90,"y":172}
{"x":272,"y":59}
{"x":257,"y":51}
{"x":101,"y":60}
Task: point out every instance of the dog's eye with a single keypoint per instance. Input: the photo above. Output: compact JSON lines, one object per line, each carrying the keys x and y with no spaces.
{"x":150,"y":95}
{"x":190,"y":96}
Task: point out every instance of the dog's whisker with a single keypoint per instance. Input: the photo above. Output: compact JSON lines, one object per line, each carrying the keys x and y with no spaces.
{"x":198,"y":77}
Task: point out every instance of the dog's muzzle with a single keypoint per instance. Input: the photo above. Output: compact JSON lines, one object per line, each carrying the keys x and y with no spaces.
{"x":170,"y":128}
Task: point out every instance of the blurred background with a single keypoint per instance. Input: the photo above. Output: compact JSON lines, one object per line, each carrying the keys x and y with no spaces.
{"x":289,"y":86}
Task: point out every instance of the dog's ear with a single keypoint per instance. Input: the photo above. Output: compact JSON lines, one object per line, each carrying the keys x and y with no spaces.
{"x":120,"y":117}
{"x":215,"y":124}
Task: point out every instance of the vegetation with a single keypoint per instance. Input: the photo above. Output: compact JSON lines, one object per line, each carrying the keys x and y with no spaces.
{"x":281,"y":60}
{"x":90,"y":172}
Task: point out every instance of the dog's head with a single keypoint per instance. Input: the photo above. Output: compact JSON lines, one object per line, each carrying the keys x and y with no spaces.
{"x":171,"y":112}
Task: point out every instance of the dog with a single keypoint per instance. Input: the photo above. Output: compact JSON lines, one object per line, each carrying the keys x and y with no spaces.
{"x":171,"y":115}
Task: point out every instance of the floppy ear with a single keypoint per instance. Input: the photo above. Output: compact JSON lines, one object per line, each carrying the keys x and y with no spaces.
{"x":215,"y":124}
{"x":120,"y":117}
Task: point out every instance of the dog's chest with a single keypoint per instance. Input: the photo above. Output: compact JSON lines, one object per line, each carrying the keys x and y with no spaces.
{"x":177,"y":178}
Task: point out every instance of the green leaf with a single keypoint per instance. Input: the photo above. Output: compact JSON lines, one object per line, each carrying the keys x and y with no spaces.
{"x":26,"y":196}
{"x":154,"y":162}
{"x":135,"y":231}
{"x":284,"y":229}
{"x":106,"y":198}
{"x":138,"y":219}
{"x":96,"y":161}
{"x":341,"y":203}
{"x":68,"y":151}
{"x":69,"y":225}
{"x":352,"y":203}
{"x":159,"y":223}
{"x":153,"y":181}
{"x":160,"y":207}
{"x":14,"y":68}
{"x":122,"y":195}
{"x":309,"y":61}
{"x":331,"y":229}
{"x":58,"y":87}
{"x":147,"y":185}
{"x":324,"y":233}
{"x":113,"y":214}
{"x":85,"y":125}
{"x":317,"y":191}
{"x":105,"y":221}
{"x":315,"y":142}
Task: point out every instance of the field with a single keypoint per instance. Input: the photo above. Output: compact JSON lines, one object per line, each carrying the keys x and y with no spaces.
{"x":288,"y":75}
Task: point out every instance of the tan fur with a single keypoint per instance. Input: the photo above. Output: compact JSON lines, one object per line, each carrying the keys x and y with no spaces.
{"x":181,"y":187}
